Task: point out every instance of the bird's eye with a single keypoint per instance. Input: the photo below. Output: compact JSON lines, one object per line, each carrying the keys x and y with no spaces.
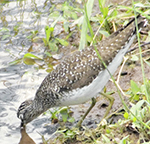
{"x":21,"y":116}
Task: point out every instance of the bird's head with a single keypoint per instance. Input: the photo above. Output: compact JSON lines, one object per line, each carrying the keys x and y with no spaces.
{"x":25,"y":112}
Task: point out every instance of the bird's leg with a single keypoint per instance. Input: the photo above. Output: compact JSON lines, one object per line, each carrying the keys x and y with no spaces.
{"x":111,"y":99}
{"x":92,"y":105}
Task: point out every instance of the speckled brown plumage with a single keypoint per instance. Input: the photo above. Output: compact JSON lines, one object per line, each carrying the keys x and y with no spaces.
{"x":80,"y":68}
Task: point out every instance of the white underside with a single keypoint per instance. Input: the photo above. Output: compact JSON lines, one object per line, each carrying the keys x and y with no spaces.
{"x":84,"y":94}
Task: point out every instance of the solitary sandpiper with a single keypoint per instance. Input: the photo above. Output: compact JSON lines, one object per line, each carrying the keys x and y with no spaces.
{"x":82,"y":75}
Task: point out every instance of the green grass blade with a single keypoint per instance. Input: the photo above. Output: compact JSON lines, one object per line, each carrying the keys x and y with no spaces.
{"x":88,"y":6}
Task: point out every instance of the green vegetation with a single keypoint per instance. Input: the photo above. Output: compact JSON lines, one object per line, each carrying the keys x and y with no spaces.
{"x":51,"y":41}
{"x":65,"y":114}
